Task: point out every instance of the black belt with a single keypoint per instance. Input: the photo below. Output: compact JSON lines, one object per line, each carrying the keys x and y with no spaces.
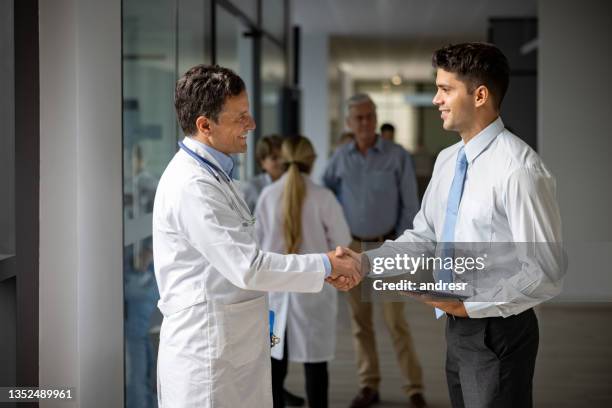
{"x":379,"y":238}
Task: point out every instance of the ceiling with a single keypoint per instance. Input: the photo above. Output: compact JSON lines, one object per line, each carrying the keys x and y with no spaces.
{"x":374,"y":39}
{"x":406,"y":18}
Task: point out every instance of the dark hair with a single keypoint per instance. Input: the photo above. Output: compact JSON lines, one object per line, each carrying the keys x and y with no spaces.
{"x":476,"y":64}
{"x":202,"y":91}
{"x":387,"y":127}
{"x":266,"y":145}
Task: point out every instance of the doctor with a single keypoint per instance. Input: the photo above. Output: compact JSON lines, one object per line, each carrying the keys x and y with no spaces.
{"x":214,"y":346}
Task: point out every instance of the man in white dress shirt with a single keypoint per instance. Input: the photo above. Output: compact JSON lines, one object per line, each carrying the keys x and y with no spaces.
{"x":489,"y":188}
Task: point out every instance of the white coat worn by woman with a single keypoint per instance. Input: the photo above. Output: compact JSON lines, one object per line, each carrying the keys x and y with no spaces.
{"x":296,"y":216}
{"x":308,"y":318}
{"x":214,"y":346}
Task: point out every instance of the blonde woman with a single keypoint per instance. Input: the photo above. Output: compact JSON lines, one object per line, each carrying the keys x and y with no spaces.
{"x":294,"y":215}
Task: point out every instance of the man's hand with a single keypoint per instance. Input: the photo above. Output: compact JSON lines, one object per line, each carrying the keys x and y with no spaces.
{"x":346,"y":269}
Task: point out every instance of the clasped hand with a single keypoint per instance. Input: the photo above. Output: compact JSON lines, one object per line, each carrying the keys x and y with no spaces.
{"x":346,"y":269}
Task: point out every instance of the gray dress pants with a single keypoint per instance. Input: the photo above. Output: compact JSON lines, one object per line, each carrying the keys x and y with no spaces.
{"x":490,"y":361}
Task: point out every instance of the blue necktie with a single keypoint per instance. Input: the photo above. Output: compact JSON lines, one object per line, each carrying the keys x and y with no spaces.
{"x":450,"y":219}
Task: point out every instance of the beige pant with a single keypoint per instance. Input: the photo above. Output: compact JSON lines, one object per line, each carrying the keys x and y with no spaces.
{"x":365,"y":341}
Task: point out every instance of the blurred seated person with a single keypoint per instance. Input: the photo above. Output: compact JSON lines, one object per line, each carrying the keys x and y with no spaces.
{"x":267,"y":154}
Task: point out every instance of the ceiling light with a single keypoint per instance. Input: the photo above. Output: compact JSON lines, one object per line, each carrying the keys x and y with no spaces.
{"x":396,"y":79}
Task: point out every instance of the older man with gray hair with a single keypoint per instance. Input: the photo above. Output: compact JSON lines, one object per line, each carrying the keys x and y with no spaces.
{"x":375,"y":182}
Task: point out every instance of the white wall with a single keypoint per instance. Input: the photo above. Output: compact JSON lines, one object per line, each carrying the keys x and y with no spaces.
{"x":575,"y":134}
{"x":315,"y":104}
{"x":81,"y":288}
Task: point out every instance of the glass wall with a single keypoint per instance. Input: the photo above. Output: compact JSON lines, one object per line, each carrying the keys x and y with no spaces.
{"x":273,"y":71}
{"x":149,"y":137}
{"x":161,"y":40}
{"x":273,"y":18}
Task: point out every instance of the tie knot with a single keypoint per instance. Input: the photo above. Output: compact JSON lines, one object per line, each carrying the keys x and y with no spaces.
{"x":461,"y":158}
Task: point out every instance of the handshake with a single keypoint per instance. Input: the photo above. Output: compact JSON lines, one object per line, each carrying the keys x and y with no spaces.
{"x":346,"y":268}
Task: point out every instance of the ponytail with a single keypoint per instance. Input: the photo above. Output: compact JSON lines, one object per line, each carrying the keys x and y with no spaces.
{"x":298,"y":155}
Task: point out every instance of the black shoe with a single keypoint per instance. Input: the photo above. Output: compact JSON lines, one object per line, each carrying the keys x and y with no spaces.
{"x":417,"y":401}
{"x":365,"y":398}
{"x":293,"y":400}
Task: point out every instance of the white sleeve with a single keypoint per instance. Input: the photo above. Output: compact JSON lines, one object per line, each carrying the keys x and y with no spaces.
{"x":535,"y":222}
{"x":217,"y":231}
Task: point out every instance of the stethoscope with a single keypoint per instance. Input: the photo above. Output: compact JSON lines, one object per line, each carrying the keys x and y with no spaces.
{"x":236,"y":202}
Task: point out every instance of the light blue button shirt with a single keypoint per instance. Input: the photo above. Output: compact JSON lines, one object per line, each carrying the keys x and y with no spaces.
{"x":224,"y":160}
{"x":378,"y":191}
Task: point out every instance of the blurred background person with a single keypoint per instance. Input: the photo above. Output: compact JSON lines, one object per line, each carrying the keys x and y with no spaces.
{"x":374,"y":181}
{"x":387,"y":131}
{"x":267,"y":154}
{"x":345,"y":137}
{"x":294,"y":215}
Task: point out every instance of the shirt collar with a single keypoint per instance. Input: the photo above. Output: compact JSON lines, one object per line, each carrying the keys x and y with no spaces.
{"x":223,"y":160}
{"x":480,"y":142}
{"x":378,"y":145}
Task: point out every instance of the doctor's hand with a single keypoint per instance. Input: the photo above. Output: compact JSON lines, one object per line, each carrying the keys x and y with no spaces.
{"x":346,"y":269}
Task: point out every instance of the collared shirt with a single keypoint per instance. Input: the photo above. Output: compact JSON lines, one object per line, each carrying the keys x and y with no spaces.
{"x":378,"y":191}
{"x":508,"y":196}
{"x":225,"y":161}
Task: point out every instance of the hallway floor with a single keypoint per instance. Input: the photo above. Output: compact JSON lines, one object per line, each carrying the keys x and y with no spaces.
{"x":574,"y":367}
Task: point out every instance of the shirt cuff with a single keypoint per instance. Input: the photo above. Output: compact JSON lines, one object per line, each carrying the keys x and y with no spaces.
{"x":478,"y":310}
{"x":327,"y":264}
{"x":496,"y":309}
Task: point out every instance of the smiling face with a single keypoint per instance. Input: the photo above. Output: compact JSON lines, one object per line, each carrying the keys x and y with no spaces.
{"x":229,"y":133}
{"x":455,"y":102}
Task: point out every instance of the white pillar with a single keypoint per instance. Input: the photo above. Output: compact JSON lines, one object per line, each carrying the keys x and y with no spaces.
{"x":575,"y":134}
{"x":81,"y":210}
{"x":315,"y":104}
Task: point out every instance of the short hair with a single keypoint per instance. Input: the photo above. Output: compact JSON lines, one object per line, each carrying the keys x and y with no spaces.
{"x":266,"y":145}
{"x":202,"y":91}
{"x":476,"y":64}
{"x":358,"y":99}
{"x":387,"y":126}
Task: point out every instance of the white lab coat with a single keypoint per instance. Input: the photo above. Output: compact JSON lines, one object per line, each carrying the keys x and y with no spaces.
{"x":308,"y":318}
{"x":214,"y":346}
